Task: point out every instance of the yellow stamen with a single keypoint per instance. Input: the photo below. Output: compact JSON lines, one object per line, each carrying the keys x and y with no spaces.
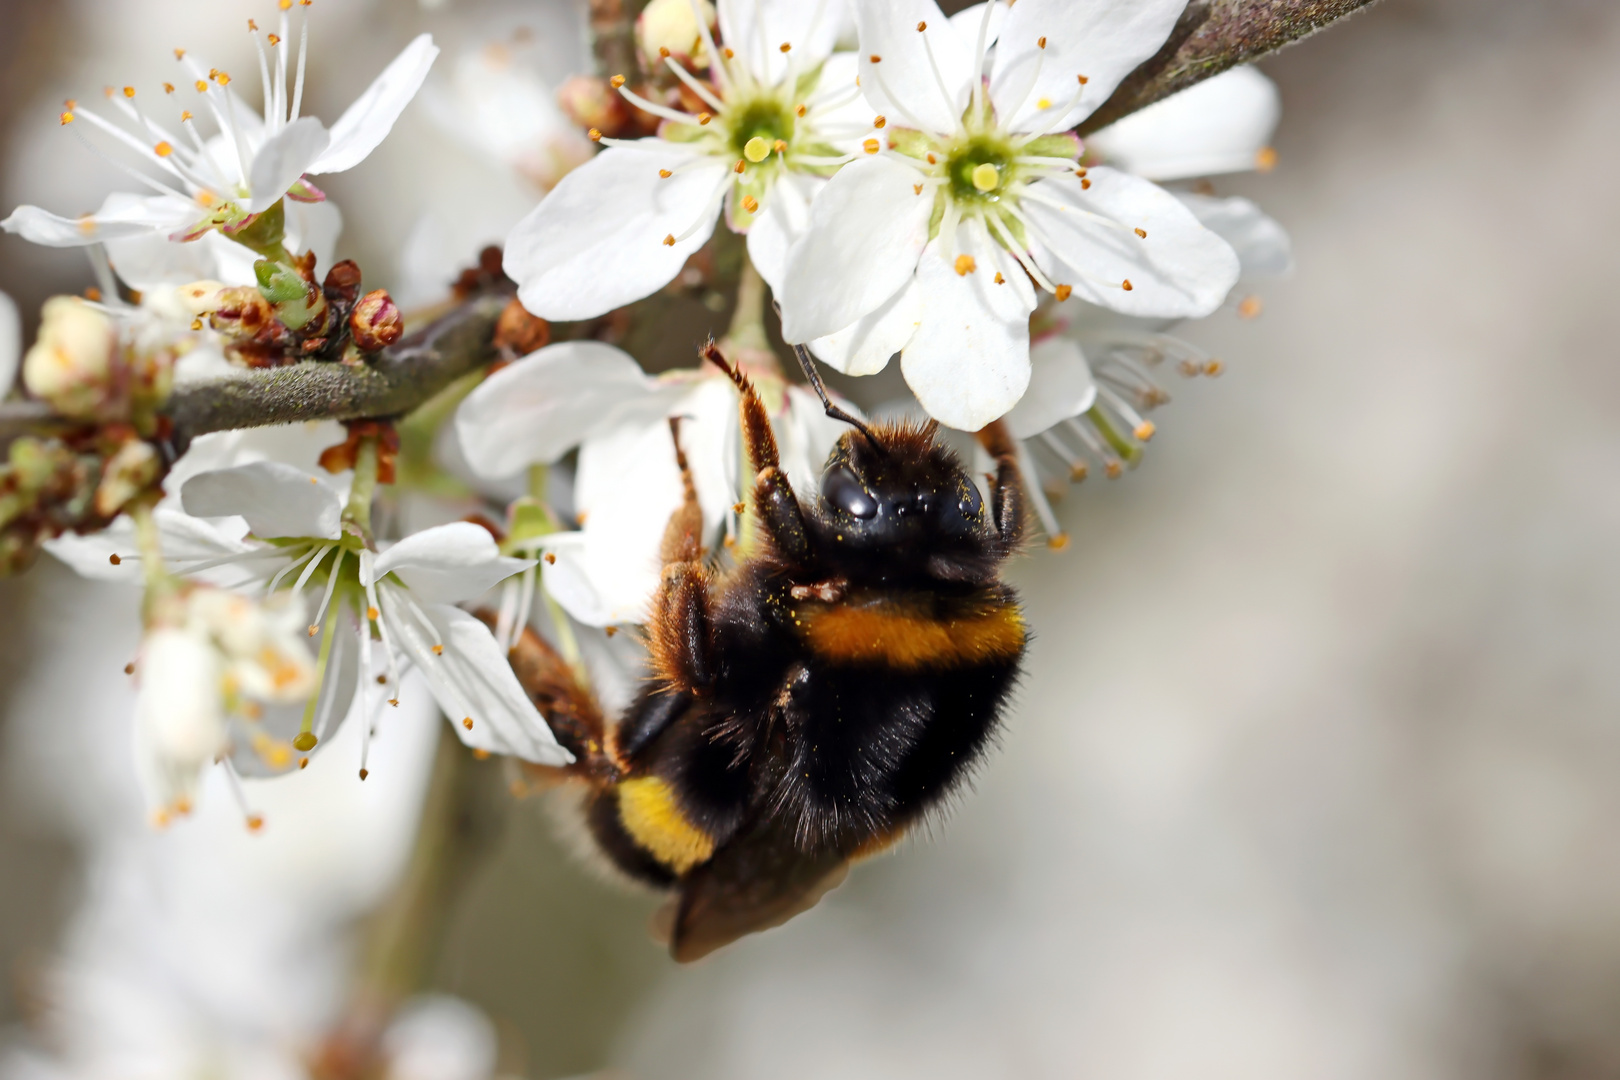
{"x":965,"y":265}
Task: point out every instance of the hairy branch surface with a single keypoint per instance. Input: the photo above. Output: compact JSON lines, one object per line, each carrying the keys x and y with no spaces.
{"x":397,"y":380}
{"x":1211,"y":36}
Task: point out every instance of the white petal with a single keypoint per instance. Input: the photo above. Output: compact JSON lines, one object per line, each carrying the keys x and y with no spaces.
{"x":782,"y":219}
{"x":535,"y":410}
{"x":868,"y":225}
{"x":970,"y":20}
{"x":1179,"y":270}
{"x":183,"y":538}
{"x":179,"y":714}
{"x":757,"y":29}
{"x":1060,"y":386}
{"x":1220,"y":125}
{"x":866,"y":347}
{"x":277,"y":500}
{"x":904,"y":84}
{"x":1100,"y":39}
{"x":368,"y":121}
{"x":806,"y":435}
{"x":597,"y":241}
{"x":119,"y":217}
{"x":471,"y":679}
{"x":310,"y":227}
{"x":836,"y":115}
{"x":969,"y":361}
{"x":567,"y":580}
{"x":285,"y":156}
{"x":1262,"y":245}
{"x":447,"y":563}
{"x":10,"y":344}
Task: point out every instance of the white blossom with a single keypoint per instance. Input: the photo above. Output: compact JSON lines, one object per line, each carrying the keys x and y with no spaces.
{"x":780,"y":112}
{"x":929,"y":245}
{"x":211,"y":657}
{"x":196,"y":186}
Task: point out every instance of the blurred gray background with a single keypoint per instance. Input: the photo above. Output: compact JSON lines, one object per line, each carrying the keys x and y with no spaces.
{"x":1314,"y":773}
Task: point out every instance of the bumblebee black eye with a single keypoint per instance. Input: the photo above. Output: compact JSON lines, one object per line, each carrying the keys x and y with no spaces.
{"x":970,"y":504}
{"x":844,"y":492}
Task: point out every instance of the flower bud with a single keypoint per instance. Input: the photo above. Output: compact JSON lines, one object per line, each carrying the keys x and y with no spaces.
{"x":241,"y":313}
{"x":342,"y":282}
{"x":588,"y":101}
{"x":672,"y":25}
{"x":202,"y":297}
{"x":128,"y":472}
{"x":71,"y":363}
{"x":375,"y":321}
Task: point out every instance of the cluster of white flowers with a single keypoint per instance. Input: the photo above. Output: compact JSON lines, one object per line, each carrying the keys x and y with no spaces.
{"x":908,"y":184}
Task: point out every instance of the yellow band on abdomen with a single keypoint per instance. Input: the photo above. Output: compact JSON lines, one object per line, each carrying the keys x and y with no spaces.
{"x":650,"y":815}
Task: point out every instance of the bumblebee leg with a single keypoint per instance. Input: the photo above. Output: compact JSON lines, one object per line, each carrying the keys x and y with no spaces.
{"x":774,"y":500}
{"x":1006,"y":487}
{"x":679,"y":629}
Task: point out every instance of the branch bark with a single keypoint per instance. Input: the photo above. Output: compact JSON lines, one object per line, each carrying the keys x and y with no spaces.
{"x":1211,"y":36}
{"x":399,"y":379}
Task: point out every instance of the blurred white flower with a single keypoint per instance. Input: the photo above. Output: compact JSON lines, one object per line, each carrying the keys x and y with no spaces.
{"x":209,"y":655}
{"x":1221,"y":125}
{"x":779,"y":113}
{"x":436,"y":1037}
{"x":227,"y":181}
{"x":929,"y":246}
{"x":10,"y":344}
{"x":595,"y":397}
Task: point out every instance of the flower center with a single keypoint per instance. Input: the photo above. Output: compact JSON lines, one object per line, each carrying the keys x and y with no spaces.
{"x":979,"y":170}
{"x":758,"y":125}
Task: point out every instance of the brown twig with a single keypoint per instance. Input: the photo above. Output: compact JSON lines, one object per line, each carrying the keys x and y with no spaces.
{"x":399,"y":379}
{"x":1211,"y":36}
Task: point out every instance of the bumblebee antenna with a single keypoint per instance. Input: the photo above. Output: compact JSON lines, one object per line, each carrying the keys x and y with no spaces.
{"x":808,"y":363}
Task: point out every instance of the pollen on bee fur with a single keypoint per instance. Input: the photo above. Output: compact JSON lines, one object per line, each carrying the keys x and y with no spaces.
{"x":616,"y":82}
{"x":466,"y":722}
{"x":1062,"y":292}
{"x":870,"y":146}
{"x":965,"y":265}
{"x":1126,"y":285}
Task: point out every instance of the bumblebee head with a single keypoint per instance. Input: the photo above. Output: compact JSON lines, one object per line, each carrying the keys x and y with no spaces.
{"x":894,"y":494}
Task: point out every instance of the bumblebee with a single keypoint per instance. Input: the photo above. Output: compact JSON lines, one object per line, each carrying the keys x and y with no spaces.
{"x":808,"y":706}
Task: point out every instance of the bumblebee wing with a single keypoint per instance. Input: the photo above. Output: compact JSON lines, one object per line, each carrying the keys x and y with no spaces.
{"x":757,"y":881}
